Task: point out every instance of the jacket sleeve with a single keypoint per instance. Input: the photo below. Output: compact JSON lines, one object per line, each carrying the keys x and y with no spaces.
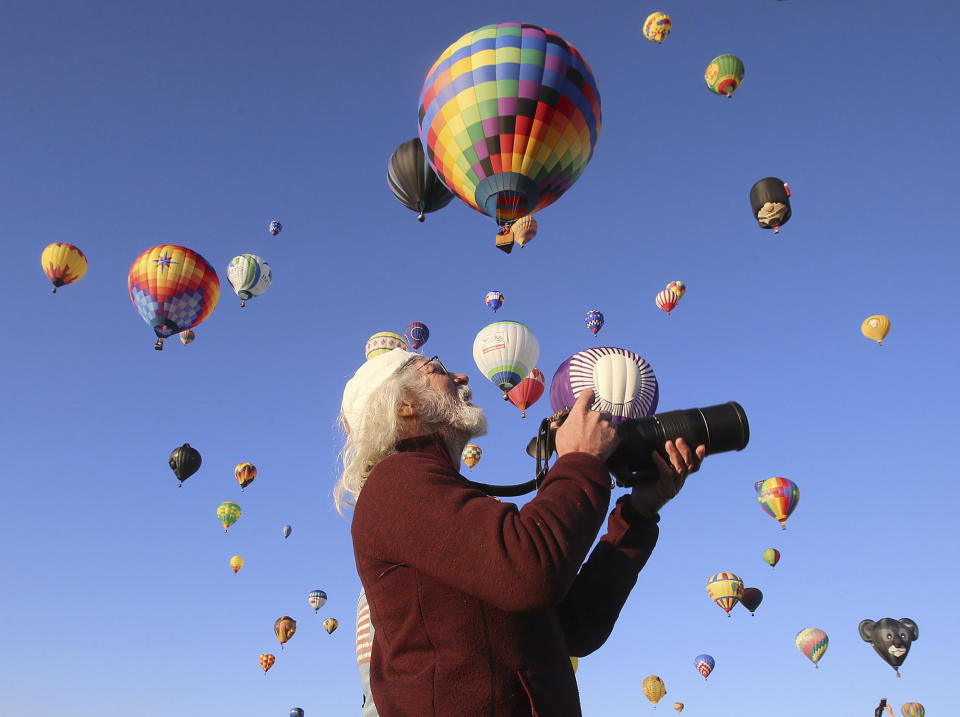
{"x":591,"y":607}
{"x":415,"y":510}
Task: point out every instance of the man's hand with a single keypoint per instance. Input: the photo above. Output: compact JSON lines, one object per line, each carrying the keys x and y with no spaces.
{"x":586,"y":431}
{"x":649,"y":498}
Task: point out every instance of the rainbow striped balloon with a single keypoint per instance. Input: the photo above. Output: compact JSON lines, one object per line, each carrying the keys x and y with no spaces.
{"x":509,"y":118}
{"x":913,"y":709}
{"x":725,"y":589}
{"x":778,"y":497}
{"x":812,"y":642}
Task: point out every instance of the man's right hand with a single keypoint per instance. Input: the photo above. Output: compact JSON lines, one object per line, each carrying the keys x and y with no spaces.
{"x":587,"y":431}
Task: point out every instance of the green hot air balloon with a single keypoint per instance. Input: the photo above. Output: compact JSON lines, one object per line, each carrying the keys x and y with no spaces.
{"x":724,"y":74}
{"x":228,"y":513}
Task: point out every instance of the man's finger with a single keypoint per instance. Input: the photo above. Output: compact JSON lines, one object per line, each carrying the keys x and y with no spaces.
{"x":584,"y":400}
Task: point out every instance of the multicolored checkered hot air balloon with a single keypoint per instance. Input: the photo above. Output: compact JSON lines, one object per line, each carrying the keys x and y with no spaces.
{"x":63,"y":264}
{"x":812,"y":642}
{"x":528,"y":391}
{"x":594,"y":320}
{"x":657,"y":26}
{"x":173,"y":288}
{"x":505,"y":351}
{"x":245,"y":473}
{"x":778,"y":497}
{"x":266,"y":661}
{"x":725,"y":589}
{"x":724,"y":74}
{"x":471,"y":455}
{"x":413,"y":181}
{"x":509,"y":118}
{"x":229,"y":513}
{"x":416,"y":334}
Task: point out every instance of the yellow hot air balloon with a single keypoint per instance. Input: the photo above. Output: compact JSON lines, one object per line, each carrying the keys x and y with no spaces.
{"x":678,"y":706}
{"x":187,"y":336}
{"x":657,"y":26}
{"x":471,"y":455}
{"x":875,"y":328}
{"x":245,"y":473}
{"x":63,"y":264}
{"x":228,"y":513}
{"x":524,"y":229}
{"x":284,"y":627}
{"x":266,"y":661}
{"x":654,"y":689}
{"x":236,"y":562}
{"x":381,"y":342}
{"x":331,"y":624}
{"x":725,"y":589}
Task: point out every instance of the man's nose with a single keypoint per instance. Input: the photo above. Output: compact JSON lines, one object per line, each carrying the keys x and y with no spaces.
{"x":459,"y":378}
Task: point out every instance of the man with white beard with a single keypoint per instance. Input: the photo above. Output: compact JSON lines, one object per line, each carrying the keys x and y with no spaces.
{"x":477,"y":604}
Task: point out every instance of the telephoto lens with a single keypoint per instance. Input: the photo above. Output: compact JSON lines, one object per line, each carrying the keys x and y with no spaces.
{"x":720,"y":428}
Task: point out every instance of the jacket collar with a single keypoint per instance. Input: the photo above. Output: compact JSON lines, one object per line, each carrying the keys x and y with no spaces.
{"x":428,"y":443}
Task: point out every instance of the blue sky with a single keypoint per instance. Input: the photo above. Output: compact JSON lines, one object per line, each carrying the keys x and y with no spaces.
{"x":127,"y":125}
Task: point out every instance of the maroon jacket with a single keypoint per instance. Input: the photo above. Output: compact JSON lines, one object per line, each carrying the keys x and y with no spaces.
{"x":478,"y":604}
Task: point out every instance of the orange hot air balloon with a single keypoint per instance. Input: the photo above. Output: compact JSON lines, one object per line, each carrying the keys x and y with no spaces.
{"x":284,"y":627}
{"x":528,"y":391}
{"x":266,"y":661}
{"x":63,"y":264}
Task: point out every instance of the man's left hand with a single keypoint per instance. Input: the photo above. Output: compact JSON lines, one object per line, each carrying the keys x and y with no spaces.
{"x":649,"y":498}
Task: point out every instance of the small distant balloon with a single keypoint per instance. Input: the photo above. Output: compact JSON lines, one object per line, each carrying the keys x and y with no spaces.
{"x":275,"y":227}
{"x":286,"y":531}
{"x":249,"y":275}
{"x":383,"y":341}
{"x":778,"y":497}
{"x":245,"y":473}
{"x":594,"y":320}
{"x":678,"y":288}
{"x":284,"y":627}
{"x":187,"y":336}
{"x":812,"y":642}
{"x":266,"y":661}
{"x":524,"y":229}
{"x":296,"y":712}
{"x":704,"y":664}
{"x":875,"y":328}
{"x":654,"y":689}
{"x":678,"y":706}
{"x":913,"y":709}
{"x":228,"y":513}
{"x":657,"y":26}
{"x":236,"y":562}
{"x":725,"y":589}
{"x":184,"y":462}
{"x":771,"y":556}
{"x":330,"y":624}
{"x":667,"y":300}
{"x":724,"y":74}
{"x":63,"y":264}
{"x":770,"y":202}
{"x":751,"y":599}
{"x":317,"y":599}
{"x":494,"y":299}
{"x":416,"y":334}
{"x":471,"y":455}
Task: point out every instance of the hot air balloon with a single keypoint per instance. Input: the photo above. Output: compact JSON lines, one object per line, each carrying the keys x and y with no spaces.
{"x":236,"y":562}
{"x":751,"y":599}
{"x":416,"y":334}
{"x":667,"y":300}
{"x":704,"y":665}
{"x":471,"y":455}
{"x":771,"y":556}
{"x":63,"y":264}
{"x":594,"y":320}
{"x":678,"y":706}
{"x":505,"y":352}
{"x":812,"y":642}
{"x":724,"y":74}
{"x":330,"y":624}
{"x":187,"y":336}
{"x":317,"y":599}
{"x":228,"y":513}
{"x":778,"y":497}
{"x":413,"y":181}
{"x":875,"y":328}
{"x":381,"y":342}
{"x":509,"y":117}
{"x":173,"y":288}
{"x":770,"y":201}
{"x":275,"y":227}
{"x":623,"y":383}
{"x":891,"y":639}
{"x":249,"y":275}
{"x":913,"y":709}
{"x":528,"y":391}
{"x":494,"y":300}
{"x":654,"y":689}
{"x":678,"y":288}
{"x":657,"y":26}
{"x":296,"y":712}
{"x":245,"y":473}
{"x":286,"y":531}
{"x":725,"y":589}
{"x":266,"y":661}
{"x":284,"y":627}
{"x":524,"y":230}
{"x":184,"y":462}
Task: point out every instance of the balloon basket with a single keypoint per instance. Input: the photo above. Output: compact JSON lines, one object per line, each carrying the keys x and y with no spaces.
{"x":159,"y":345}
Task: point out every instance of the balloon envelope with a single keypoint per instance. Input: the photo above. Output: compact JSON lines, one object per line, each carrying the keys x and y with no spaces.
{"x":284,"y":628}
{"x":509,"y":118}
{"x":704,"y":665}
{"x":528,"y":391}
{"x":875,"y":328}
{"x":245,"y":473}
{"x":678,"y":288}
{"x":678,"y":706}
{"x":184,"y":461}
{"x":187,"y":336}
{"x":724,"y":74}
{"x":594,"y":320}
{"x":505,"y":352}
{"x":63,"y":264}
{"x":286,"y":531}
{"x":494,"y":300}
{"x":623,"y":383}
{"x":266,"y":661}
{"x":771,"y":556}
{"x":778,"y":497}
{"x":228,"y":513}
{"x":770,"y":201}
{"x":416,"y":334}
{"x":524,"y":229}
{"x":913,"y":709}
{"x":330,"y":624}
{"x":751,"y":599}
{"x":236,"y":562}
{"x":667,"y":300}
{"x":471,"y":455}
{"x":317,"y":599}
{"x":725,"y":589}
{"x":657,"y":26}
{"x":249,"y":275}
{"x":296,"y":712}
{"x":381,"y":342}
{"x":812,"y":642}
{"x":275,"y":227}
{"x":653,"y":688}
{"x":413,"y":181}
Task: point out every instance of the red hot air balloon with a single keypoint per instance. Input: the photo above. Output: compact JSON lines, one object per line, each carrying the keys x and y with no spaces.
{"x":528,"y":391}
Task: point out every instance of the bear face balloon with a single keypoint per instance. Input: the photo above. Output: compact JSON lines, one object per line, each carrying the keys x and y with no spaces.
{"x":890,"y":638}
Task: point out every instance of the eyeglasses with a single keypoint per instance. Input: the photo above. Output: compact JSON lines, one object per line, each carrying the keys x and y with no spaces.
{"x":435,"y":363}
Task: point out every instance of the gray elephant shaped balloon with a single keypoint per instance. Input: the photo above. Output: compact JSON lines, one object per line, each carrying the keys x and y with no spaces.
{"x":891,"y":639}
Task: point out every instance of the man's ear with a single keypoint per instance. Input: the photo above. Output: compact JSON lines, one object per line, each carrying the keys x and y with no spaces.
{"x":406,"y":410}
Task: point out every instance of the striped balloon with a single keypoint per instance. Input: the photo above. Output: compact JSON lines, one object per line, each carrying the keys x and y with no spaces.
{"x":249,"y":275}
{"x":725,"y":589}
{"x":667,"y":300}
{"x":187,"y":336}
{"x":505,"y":352}
{"x":524,"y":229}
{"x":471,"y":455}
{"x":913,"y":709}
{"x":317,"y":599}
{"x":245,"y":473}
{"x":778,"y":497}
{"x":528,"y":391}
{"x":771,"y":556}
{"x":724,"y":74}
{"x":381,"y":342}
{"x":812,"y":642}
{"x":623,"y":383}
{"x":509,"y":118}
{"x":63,"y":264}
{"x":704,"y":665}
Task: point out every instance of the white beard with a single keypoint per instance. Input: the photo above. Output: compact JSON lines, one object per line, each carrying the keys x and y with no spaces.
{"x":458,"y":420}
